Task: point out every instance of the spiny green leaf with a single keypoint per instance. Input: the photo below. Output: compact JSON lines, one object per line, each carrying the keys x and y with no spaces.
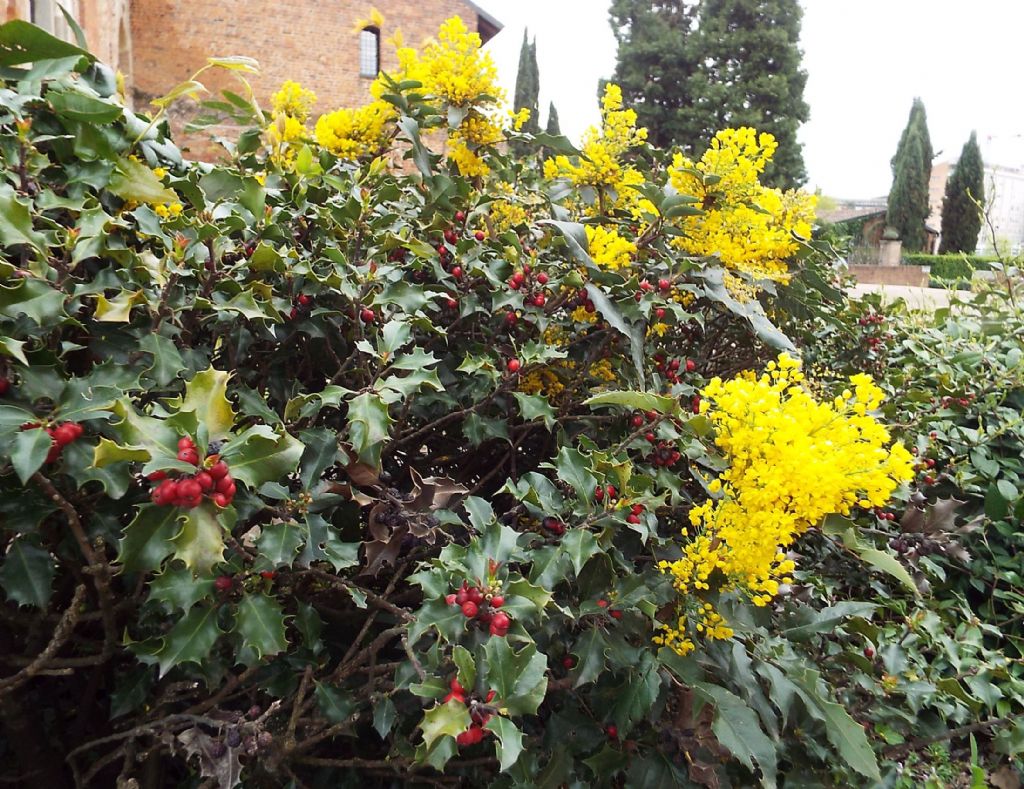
{"x":279,"y":542}
{"x":449,"y":719}
{"x":261,"y":624}
{"x":190,"y":640}
{"x":510,"y":740}
{"x":27,"y":573}
{"x":206,"y":398}
{"x":737,"y":728}
{"x":147,"y":539}
{"x":28,"y":452}
{"x":200,"y":543}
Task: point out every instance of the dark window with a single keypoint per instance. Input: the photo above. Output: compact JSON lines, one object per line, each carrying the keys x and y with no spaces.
{"x":369,"y":52}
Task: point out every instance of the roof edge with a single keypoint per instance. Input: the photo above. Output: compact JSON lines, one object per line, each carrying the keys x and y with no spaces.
{"x":487,"y":17}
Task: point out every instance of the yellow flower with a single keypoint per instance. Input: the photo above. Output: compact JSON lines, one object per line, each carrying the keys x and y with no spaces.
{"x":351,"y":133}
{"x":293,"y":100}
{"x":168,"y":210}
{"x":791,"y":461}
{"x":752,"y":228}
{"x":609,"y":249}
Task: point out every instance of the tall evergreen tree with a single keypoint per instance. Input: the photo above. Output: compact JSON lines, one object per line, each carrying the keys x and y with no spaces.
{"x":528,"y":83}
{"x":908,"y":206}
{"x":655,"y":65}
{"x":965,"y":192}
{"x":691,"y":68}
{"x":553,"y":127}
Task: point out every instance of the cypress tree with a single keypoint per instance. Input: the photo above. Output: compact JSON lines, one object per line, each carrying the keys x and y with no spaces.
{"x":690,"y":69}
{"x":965,"y":191}
{"x":553,"y":128}
{"x":528,"y":85}
{"x":908,"y":206}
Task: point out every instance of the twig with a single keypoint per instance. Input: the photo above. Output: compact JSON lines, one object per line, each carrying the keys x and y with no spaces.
{"x":60,"y":636}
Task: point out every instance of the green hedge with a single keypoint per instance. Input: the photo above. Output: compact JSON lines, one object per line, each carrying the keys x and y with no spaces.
{"x":949,"y":266}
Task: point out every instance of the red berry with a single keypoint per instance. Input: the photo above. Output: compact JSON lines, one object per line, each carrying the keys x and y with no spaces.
{"x":293,"y":313}
{"x":497,"y":601}
{"x":869,"y":652}
{"x":612,"y":493}
{"x":188,"y":456}
{"x":5,"y":386}
{"x":470,"y":736}
{"x":616,"y":614}
{"x":930,"y":463}
{"x":450,"y":236}
{"x":664,"y":284}
{"x":633,"y":519}
{"x":500,"y":624}
{"x":518,"y":278}
{"x":205,"y":481}
{"x":218,"y":470}
{"x":612,"y":731}
{"x":691,"y":365}
{"x":599,"y":493}
{"x":223,"y":583}
{"x":469,"y":609}
{"x":156,"y":476}
{"x":367,"y":315}
{"x":224,"y":483}
{"x":457,"y":272}
{"x":637,"y":420}
{"x":462,"y":595}
{"x":451,"y":304}
{"x":491,"y":694}
{"x":651,"y":438}
{"x":450,"y":598}
{"x":542,"y":278}
{"x":64,"y":434}
{"x":659,"y":313}
{"x":479,"y":235}
{"x":186,"y":442}
{"x":513,"y":365}
{"x":268,"y":575}
{"x":475,"y":595}
{"x":460,"y":216}
{"x":568,"y":661}
{"x":305,"y":299}
{"x":442,"y":250}
{"x":602,"y":603}
{"x":553,"y":525}
{"x":220,"y":500}
{"x":645,"y":285}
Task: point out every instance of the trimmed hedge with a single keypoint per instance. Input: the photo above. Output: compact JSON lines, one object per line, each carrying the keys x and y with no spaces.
{"x":956,"y":265}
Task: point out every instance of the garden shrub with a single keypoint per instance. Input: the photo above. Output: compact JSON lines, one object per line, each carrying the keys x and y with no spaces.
{"x":346,"y":461}
{"x":950,"y":266}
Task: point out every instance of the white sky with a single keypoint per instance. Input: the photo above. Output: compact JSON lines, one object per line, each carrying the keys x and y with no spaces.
{"x":866,"y":61}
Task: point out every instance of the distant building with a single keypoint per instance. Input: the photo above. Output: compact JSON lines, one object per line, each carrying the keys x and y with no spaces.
{"x":1004,"y":196}
{"x":156,"y":44}
{"x":864,"y":222}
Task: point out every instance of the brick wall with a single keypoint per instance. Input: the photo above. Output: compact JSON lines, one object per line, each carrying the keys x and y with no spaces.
{"x":105,"y":23}
{"x":311,"y":41}
{"x":914,"y":276}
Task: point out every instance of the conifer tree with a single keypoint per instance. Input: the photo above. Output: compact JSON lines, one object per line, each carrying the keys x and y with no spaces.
{"x":690,"y":69}
{"x":965,"y":192}
{"x":528,"y":84}
{"x":553,"y":128}
{"x":908,"y":206}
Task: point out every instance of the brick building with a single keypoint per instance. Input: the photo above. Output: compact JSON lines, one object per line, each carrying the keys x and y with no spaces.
{"x":157,"y":44}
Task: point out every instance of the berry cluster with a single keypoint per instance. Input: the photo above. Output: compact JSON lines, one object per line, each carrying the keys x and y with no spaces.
{"x":608,"y":490}
{"x":479,"y":714}
{"x":873,"y":339}
{"x":482,"y":606}
{"x":531,"y":284}
{"x":635,"y":512}
{"x":61,"y":435}
{"x":583,"y":300}
{"x":671,"y":368}
{"x":212,"y":480}
{"x":553,"y":525}
{"x":303,"y":303}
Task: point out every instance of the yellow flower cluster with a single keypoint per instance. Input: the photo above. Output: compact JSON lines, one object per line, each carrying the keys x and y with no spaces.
{"x":791,"y":461}
{"x":750,"y":226}
{"x":601,"y":165}
{"x":454,"y":68}
{"x":168,"y":210}
{"x":609,"y":249}
{"x":293,"y":100}
{"x":543,"y":381}
{"x":350,"y":133}
{"x":602,"y":371}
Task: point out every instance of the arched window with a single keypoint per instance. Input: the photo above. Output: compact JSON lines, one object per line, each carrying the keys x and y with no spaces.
{"x":369,"y":52}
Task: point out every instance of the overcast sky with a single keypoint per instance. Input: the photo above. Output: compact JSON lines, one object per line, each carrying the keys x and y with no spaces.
{"x":866,"y":61}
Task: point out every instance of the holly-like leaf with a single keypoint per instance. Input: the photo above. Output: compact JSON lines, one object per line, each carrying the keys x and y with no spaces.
{"x":279,"y":542}
{"x":463,"y":659}
{"x":260,"y":623}
{"x":738,"y":729}
{"x":206,"y":398}
{"x":591,"y":656}
{"x":134,"y":181}
{"x":27,"y":573}
{"x":641,"y":401}
{"x":336,"y":705}
{"x":510,"y":740}
{"x":572,"y":467}
{"x":16,"y":224}
{"x":179,"y":588}
{"x":369,"y":425}
{"x":579,"y":545}
{"x":190,"y":640}
{"x":262,"y":455}
{"x":167,"y":362}
{"x":118,"y":309}
{"x":35,"y":298}
{"x":450,"y":719}
{"x":147,"y":539}
{"x":517,"y":677}
{"x":536,"y":407}
{"x":200,"y":542}
{"x":28,"y":452}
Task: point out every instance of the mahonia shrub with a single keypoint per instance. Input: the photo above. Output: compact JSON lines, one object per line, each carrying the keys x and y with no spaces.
{"x":348,"y":460}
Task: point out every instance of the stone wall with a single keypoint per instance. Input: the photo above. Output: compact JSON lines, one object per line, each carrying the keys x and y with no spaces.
{"x":915,"y":276}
